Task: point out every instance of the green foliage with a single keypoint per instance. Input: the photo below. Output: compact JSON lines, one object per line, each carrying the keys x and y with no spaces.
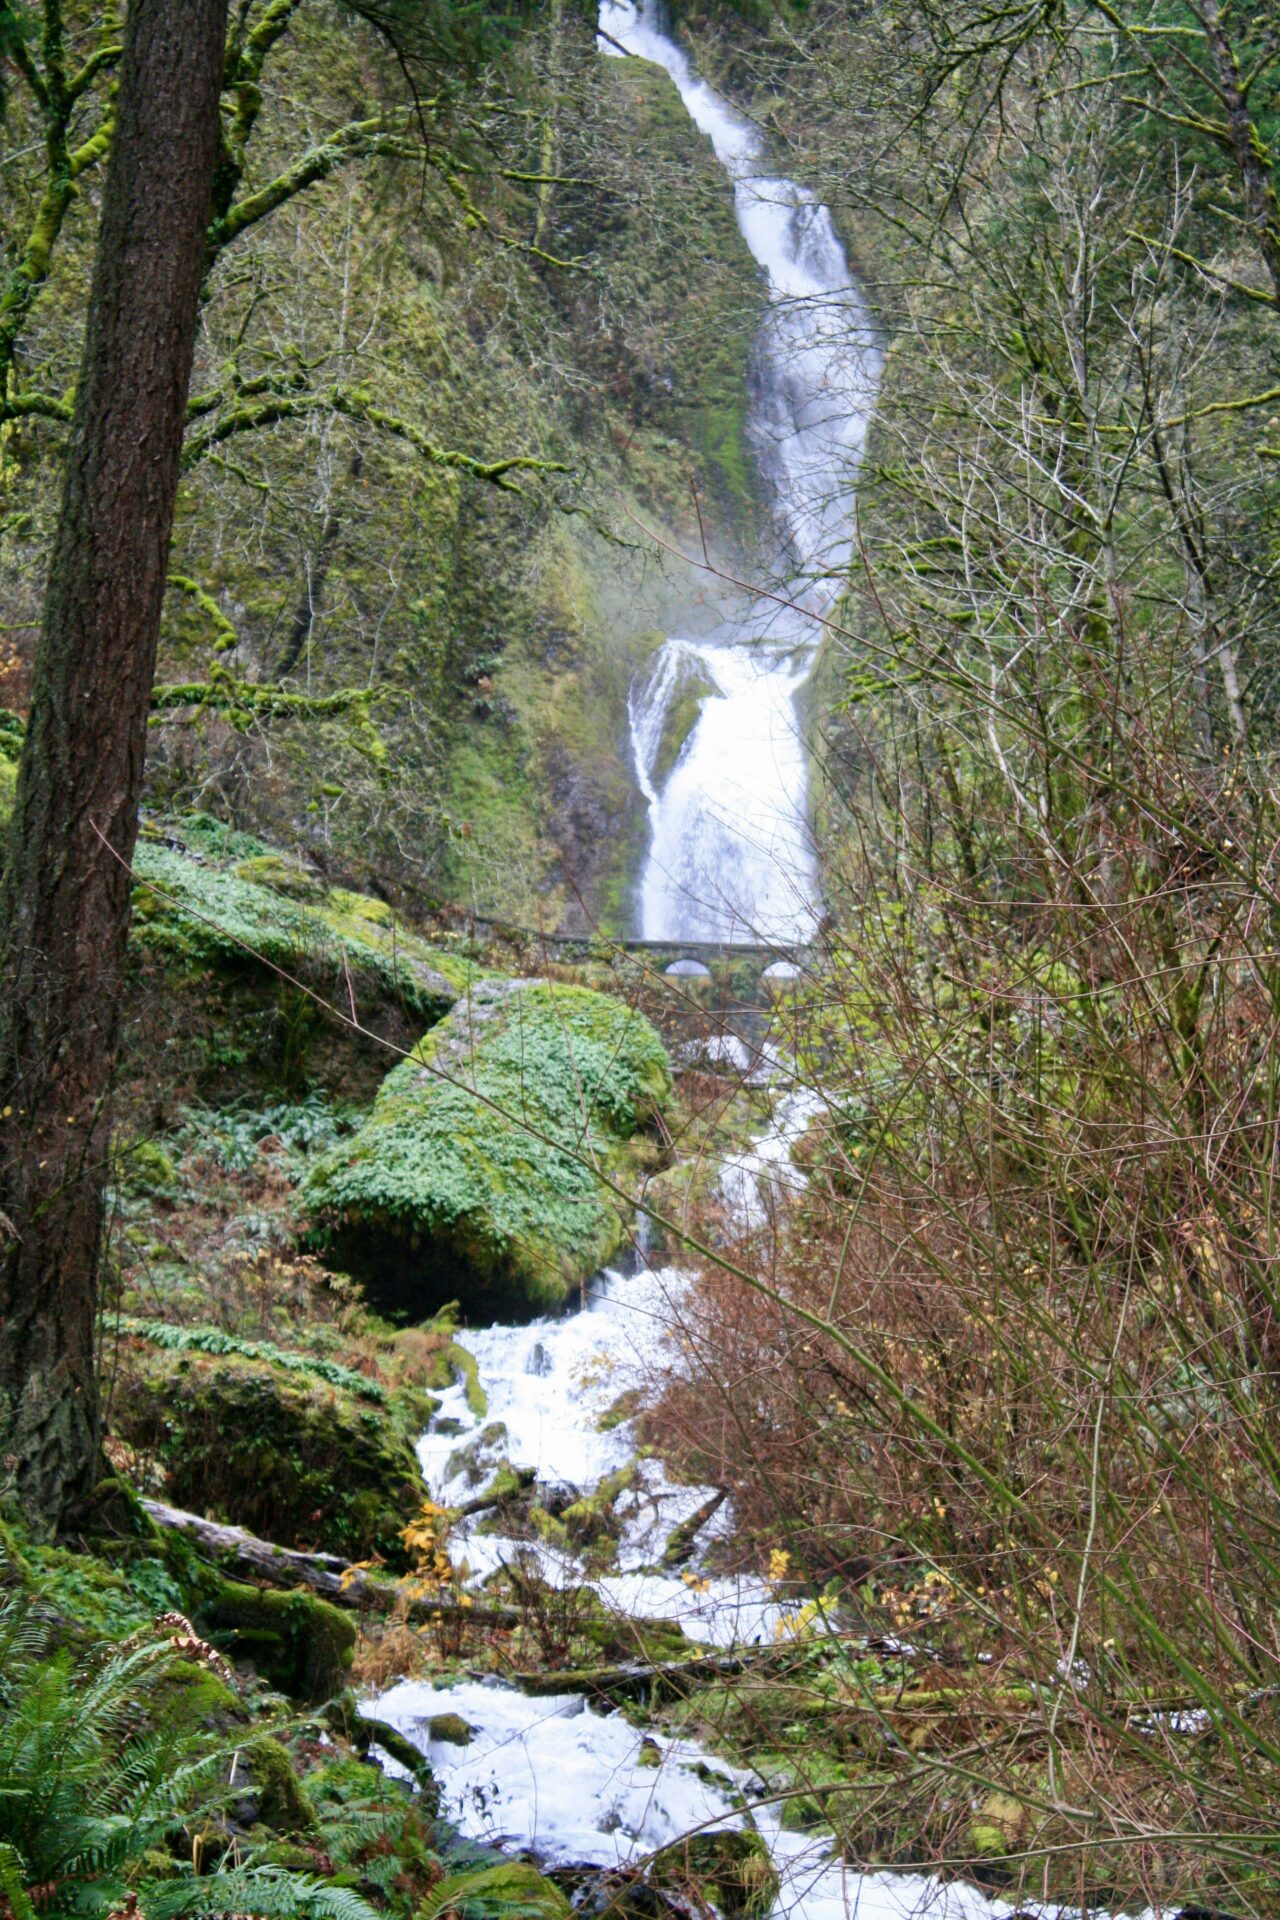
{"x":483,"y":1150}
{"x":734,"y":1867}
{"x":371,"y":1824}
{"x":234,"y":1135}
{"x":162,"y":1333}
{"x":273,"y":1893}
{"x":200,"y":913}
{"x":11,"y":731}
{"x":97,"y":1770}
{"x":299,"y":1643}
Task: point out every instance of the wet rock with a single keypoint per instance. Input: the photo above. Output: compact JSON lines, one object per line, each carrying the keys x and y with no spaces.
{"x":478,"y":1459}
{"x":733,"y":1869}
{"x":451,"y":1729}
{"x":625,"y":1896}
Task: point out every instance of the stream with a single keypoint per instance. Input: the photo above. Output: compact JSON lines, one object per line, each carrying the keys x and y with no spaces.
{"x":731,"y":859}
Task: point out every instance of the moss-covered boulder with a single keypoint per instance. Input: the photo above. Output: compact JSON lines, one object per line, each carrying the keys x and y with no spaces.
{"x":733,"y":1870}
{"x":296,"y":1641}
{"x":475,"y":1176}
{"x":288,"y":1454}
{"x":511,"y":1892}
{"x":450,"y":1728}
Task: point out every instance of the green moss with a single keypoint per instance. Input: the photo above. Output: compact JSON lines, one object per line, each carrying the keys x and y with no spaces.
{"x":193,"y":912}
{"x":8,"y":792}
{"x":683,"y":712}
{"x":176,"y":1339}
{"x":298,"y":1642}
{"x":590,"y":1521}
{"x":281,"y":1803}
{"x":624,"y":1408}
{"x":451,"y":1728}
{"x":294,"y":1458}
{"x":1000,"y":1826}
{"x":734,"y":1868}
{"x":484,"y":1183}
{"x":694,"y":297}
{"x":194,"y":1696}
{"x":465,"y":1363}
{"x":510,"y":1892}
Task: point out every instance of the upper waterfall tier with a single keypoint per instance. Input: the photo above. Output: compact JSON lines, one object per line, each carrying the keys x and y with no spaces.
{"x":731,"y":855}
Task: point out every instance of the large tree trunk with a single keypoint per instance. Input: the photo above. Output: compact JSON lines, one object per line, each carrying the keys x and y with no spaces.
{"x":64,"y":912}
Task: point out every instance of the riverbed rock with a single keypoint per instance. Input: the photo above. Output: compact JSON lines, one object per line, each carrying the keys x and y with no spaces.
{"x":620,"y":1894}
{"x":498,"y":1893}
{"x":734,"y":1869}
{"x":477,"y":1460}
{"x":451,"y":1729}
{"x":474,"y":1177}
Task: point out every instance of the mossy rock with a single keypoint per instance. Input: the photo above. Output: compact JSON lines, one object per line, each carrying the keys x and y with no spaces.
{"x":194,"y":1696}
{"x":296,"y":1641}
{"x":511,"y":1892}
{"x":269,"y":912}
{"x":282,"y":1805}
{"x":292,"y":1457}
{"x":733,"y":1868}
{"x":999,"y":1828}
{"x":694,"y":687}
{"x":451,"y":1729}
{"x":282,"y":875}
{"x":594,"y":1520}
{"x":482,"y":1186}
{"x":476,"y":1459}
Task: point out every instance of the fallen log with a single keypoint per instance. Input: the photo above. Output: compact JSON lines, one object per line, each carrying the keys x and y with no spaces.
{"x":336,"y":1580}
{"x":631,"y":1677}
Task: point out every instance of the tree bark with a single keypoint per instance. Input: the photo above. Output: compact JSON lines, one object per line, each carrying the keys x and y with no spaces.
{"x":64,"y":910}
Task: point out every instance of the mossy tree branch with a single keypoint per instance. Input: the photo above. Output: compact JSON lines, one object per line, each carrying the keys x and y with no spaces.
{"x":245,"y":703}
{"x":56,"y":96}
{"x":358,"y":140}
{"x":227,"y":636}
{"x":252,"y":415}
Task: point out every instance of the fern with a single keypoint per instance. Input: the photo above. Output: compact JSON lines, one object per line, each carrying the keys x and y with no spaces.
{"x":14,"y":1879}
{"x":162,"y":1333}
{"x":100,"y":1767}
{"x":269,"y":1892}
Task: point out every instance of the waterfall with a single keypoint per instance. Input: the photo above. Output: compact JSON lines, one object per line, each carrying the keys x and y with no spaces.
{"x":731,"y":856}
{"x":730,"y":860}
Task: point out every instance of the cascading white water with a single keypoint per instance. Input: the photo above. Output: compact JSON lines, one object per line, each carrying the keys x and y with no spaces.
{"x":551,"y":1774}
{"x":730,"y":860}
{"x":731,"y":855}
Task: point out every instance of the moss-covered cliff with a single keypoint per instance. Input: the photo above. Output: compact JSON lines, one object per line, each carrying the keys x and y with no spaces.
{"x":599,"y":321}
